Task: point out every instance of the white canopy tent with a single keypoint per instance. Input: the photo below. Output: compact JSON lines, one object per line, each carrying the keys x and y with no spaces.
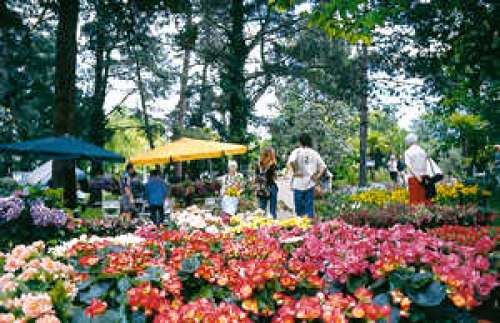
{"x":42,"y":174}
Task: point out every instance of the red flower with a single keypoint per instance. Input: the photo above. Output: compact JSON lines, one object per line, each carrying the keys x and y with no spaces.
{"x":88,"y":261}
{"x":96,"y":307}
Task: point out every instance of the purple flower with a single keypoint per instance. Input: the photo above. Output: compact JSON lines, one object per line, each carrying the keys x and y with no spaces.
{"x":44,"y":216}
{"x":10,"y":208}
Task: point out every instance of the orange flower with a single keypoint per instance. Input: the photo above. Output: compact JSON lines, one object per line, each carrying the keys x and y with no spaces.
{"x":364,"y":295}
{"x":315,"y":281}
{"x":250,"y":305}
{"x":358,"y":312}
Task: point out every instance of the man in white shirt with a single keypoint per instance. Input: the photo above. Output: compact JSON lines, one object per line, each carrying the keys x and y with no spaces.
{"x":307,"y":167}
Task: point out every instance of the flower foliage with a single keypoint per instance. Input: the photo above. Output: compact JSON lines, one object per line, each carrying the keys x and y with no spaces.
{"x":467,"y":236}
{"x":34,"y":287}
{"x":10,"y":208}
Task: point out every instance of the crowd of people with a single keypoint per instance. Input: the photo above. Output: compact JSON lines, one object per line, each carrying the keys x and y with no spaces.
{"x":306,"y":173}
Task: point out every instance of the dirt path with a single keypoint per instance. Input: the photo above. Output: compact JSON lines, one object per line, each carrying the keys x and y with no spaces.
{"x":285,"y":199}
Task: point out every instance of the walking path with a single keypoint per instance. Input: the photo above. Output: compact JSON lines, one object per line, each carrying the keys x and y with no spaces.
{"x":285,"y":199}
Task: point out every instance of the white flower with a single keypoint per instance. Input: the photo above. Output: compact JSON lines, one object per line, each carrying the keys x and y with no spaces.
{"x":212,"y":229}
{"x":292,"y":239}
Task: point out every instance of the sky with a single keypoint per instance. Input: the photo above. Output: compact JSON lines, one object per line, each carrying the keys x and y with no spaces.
{"x":411,"y":108}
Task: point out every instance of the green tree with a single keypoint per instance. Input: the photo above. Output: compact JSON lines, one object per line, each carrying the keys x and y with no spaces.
{"x":327,"y":120}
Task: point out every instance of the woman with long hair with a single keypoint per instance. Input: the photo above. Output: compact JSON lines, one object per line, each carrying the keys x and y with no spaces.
{"x":265,"y":181}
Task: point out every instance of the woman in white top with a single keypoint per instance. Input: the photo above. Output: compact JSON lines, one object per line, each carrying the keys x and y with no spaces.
{"x":416,"y":164}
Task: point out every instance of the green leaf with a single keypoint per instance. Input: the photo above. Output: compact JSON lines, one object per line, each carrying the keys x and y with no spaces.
{"x":138,"y":317}
{"x":432,"y":295}
{"x":190,"y":265}
{"x":354,"y":283}
{"x":96,"y":291}
{"x":124,"y":284}
{"x":419,"y":280}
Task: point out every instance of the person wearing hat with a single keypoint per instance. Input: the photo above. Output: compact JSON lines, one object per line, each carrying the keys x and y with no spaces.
{"x":416,"y":164}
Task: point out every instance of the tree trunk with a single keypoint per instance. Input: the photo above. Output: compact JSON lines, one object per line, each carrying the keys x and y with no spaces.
{"x":133,"y":51}
{"x":234,"y":80}
{"x":183,"y":102}
{"x":63,"y":171}
{"x":98,"y":135}
{"x":140,"y":85}
{"x":363,"y":117}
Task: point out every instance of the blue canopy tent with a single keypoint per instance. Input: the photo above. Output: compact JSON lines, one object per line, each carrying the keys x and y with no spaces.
{"x":62,"y":148}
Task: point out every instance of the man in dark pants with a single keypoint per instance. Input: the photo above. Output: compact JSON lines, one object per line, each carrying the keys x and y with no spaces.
{"x":156,"y":193}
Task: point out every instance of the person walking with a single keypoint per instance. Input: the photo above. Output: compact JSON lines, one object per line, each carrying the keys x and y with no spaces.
{"x":392,"y":166}
{"x":307,"y":167}
{"x":127,"y":198}
{"x":156,"y":193}
{"x":416,"y":164}
{"x":265,"y":181}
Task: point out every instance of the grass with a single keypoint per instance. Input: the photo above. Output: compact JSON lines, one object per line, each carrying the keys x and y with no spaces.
{"x":91,"y":214}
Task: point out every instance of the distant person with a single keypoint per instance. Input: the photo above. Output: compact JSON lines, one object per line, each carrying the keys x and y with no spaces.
{"x":497,"y":165}
{"x":265,"y":181}
{"x":416,"y":164}
{"x":392,"y":166}
{"x":156,"y":193}
{"x":95,"y":188}
{"x":307,"y":167}
{"x":326,"y":182}
{"x":127,"y":198}
{"x":401,"y":170}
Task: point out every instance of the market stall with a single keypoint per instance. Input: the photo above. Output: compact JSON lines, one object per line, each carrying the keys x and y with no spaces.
{"x":187,"y":149}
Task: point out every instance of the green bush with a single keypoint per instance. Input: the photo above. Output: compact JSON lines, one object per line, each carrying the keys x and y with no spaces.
{"x":7,"y":186}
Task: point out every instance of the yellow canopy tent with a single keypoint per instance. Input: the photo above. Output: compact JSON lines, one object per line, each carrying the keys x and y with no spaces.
{"x":186,"y":149}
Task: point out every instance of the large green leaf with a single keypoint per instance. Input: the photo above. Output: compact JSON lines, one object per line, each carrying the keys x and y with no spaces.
{"x":110,"y":316}
{"x":354,"y":283}
{"x":96,"y":291}
{"x":432,"y":295}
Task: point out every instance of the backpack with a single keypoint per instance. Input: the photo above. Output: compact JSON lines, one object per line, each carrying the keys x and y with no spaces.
{"x":261,"y":187}
{"x":401,"y":165}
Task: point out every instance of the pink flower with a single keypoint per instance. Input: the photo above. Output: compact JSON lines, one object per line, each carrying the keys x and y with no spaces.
{"x":7,"y":283}
{"x":36,"y":305}
{"x":7,"y":318}
{"x":482,"y":263}
{"x":12,"y":264}
{"x":28,"y":274}
{"x":22,"y":252}
{"x":48,"y":319}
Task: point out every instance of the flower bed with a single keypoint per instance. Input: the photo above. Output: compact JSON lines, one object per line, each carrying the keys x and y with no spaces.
{"x":333,"y":272}
{"x":25,"y":220}
{"x":447,"y":194}
{"x":467,"y":236}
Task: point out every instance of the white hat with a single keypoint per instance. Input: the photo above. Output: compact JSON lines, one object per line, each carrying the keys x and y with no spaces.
{"x":411,"y":139}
